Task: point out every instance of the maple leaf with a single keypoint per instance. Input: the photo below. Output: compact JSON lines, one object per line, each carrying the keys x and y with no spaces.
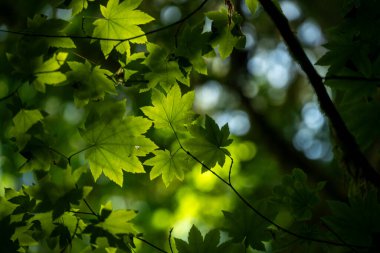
{"x":23,"y":121}
{"x":208,"y":244}
{"x":226,"y":36}
{"x":114,"y":147}
{"x":172,"y":111}
{"x":168,"y":164}
{"x":164,"y":69}
{"x":44,"y":72}
{"x":193,"y":49}
{"x":91,"y":83}
{"x":246,"y":226}
{"x":207,"y":144}
{"x":117,"y":221}
{"x":120,"y":22}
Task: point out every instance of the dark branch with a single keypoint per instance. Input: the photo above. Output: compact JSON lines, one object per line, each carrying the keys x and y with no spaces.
{"x":346,"y":141}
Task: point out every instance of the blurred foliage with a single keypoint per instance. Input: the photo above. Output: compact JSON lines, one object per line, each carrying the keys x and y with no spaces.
{"x":96,"y":95}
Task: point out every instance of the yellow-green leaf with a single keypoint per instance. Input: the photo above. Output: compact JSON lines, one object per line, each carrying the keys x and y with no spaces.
{"x":120,"y":22}
{"x":167,"y":164}
{"x":114,"y":147}
{"x":252,"y":5}
{"x":172,"y":111}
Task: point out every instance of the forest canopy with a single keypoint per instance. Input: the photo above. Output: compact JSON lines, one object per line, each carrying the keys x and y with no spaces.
{"x":189,"y":126}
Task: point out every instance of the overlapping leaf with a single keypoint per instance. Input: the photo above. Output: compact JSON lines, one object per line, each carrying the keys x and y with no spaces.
{"x":120,"y":21}
{"x":244,"y":226}
{"x":226,"y":36}
{"x":209,"y":244}
{"x":208,"y":143}
{"x":357,"y":222}
{"x":114,"y":147}
{"x":90,"y":83}
{"x":164,"y":68}
{"x":168,"y":164}
{"x":192,"y":49}
{"x":296,"y":194}
{"x":171,"y":112}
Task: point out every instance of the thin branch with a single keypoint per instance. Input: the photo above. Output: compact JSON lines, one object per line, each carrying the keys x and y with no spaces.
{"x":43,"y":35}
{"x":346,"y":140}
{"x":10,"y":94}
{"x":89,"y":207}
{"x":340,"y":238}
{"x":79,"y":212}
{"x":256,"y":211}
{"x":169,"y":239}
{"x":188,"y":16}
{"x":151,"y":245}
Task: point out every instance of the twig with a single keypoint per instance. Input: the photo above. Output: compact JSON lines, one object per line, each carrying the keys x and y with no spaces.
{"x":10,"y":94}
{"x":89,"y":207}
{"x":169,"y":239}
{"x":151,"y":244}
{"x":346,"y":141}
{"x":256,"y":211}
{"x":43,"y":35}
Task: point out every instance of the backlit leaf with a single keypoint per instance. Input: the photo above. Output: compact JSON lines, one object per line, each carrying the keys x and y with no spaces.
{"x":168,"y":164}
{"x":114,"y":147}
{"x":120,"y":21}
{"x":173,"y":111}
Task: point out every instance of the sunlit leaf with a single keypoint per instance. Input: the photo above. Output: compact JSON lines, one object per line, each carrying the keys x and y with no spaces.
{"x":120,"y":22}
{"x":252,"y":5}
{"x":113,"y":147}
{"x":168,"y":164}
{"x":172,"y":111}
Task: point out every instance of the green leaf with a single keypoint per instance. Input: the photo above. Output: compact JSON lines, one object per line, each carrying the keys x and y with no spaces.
{"x":357,"y":222}
{"x":114,"y":147}
{"x":24,"y":120}
{"x":90,"y":83}
{"x":120,"y":22}
{"x":6,"y":207}
{"x":42,"y":25}
{"x":243,"y":225}
{"x":193,"y":49}
{"x":296,"y":194}
{"x":252,"y":5}
{"x":173,"y":111}
{"x":118,"y":222}
{"x":225,"y":36}
{"x":198,"y":244}
{"x":207,"y":144}
{"x":78,"y":5}
{"x":168,"y":164}
{"x":164,"y":68}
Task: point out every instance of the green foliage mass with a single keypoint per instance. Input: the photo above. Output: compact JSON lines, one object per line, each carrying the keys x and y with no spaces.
{"x":96,"y":95}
